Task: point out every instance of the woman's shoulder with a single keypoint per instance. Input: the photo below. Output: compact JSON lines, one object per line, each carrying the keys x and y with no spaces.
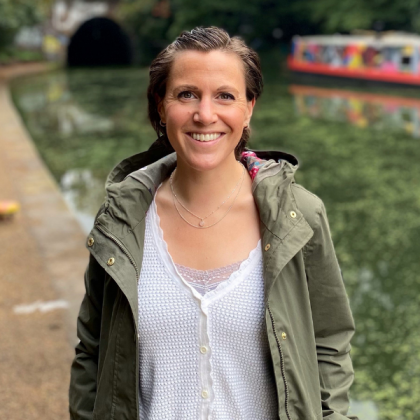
{"x":308,"y":203}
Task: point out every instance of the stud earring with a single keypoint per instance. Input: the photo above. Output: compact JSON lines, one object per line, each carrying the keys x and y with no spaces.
{"x":162,"y":123}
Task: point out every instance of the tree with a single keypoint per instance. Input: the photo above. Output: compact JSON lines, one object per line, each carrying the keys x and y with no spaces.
{"x":255,"y":20}
{"x":14,"y":14}
{"x":347,"y":15}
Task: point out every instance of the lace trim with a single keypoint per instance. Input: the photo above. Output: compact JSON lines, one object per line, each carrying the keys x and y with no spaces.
{"x":206,"y":280}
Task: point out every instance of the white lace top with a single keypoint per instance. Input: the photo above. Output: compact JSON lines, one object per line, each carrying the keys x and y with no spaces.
{"x":203,"y":348}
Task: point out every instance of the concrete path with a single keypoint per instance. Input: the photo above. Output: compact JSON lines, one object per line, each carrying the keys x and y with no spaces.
{"x":42,"y":261}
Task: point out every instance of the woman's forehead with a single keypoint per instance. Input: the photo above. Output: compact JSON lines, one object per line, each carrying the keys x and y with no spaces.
{"x":196,"y":67}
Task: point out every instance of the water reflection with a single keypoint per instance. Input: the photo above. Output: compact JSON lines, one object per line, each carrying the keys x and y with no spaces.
{"x":82,"y":191}
{"x":84,"y":122}
{"x":63,"y":112}
{"x":380,"y":112}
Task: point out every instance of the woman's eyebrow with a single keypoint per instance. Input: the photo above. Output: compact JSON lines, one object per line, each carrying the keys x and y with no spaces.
{"x":185,"y":87}
{"x":227,"y":87}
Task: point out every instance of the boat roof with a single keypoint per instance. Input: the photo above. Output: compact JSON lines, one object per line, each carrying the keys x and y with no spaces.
{"x":385,"y":39}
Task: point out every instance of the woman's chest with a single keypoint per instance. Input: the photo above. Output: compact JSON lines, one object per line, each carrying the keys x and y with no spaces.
{"x":227,"y":242}
{"x":164,"y":285}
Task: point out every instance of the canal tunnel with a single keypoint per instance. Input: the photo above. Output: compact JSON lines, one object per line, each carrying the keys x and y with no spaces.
{"x":99,"y":42}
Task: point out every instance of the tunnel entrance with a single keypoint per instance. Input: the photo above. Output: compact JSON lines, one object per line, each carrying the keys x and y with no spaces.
{"x":99,"y":42}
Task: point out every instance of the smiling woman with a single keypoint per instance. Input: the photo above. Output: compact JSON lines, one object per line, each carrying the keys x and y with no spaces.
{"x":228,"y":283}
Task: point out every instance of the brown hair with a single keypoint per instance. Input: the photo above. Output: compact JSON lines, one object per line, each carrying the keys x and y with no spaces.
{"x":202,"y":39}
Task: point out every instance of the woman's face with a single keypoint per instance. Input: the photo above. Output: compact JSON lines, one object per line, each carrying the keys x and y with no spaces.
{"x":205,"y":107}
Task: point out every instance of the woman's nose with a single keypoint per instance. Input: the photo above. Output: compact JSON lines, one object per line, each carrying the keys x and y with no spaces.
{"x":206,"y":112}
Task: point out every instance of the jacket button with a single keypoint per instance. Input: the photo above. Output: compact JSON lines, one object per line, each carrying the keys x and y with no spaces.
{"x":111,"y":261}
{"x":91,"y":241}
{"x":283,"y":335}
{"x":293,"y":215}
{"x":267,"y":247}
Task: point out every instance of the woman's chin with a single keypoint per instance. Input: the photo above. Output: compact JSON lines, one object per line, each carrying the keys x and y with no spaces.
{"x":205,"y":161}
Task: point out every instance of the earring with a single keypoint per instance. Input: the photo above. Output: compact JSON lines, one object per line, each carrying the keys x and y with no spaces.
{"x":162,"y":123}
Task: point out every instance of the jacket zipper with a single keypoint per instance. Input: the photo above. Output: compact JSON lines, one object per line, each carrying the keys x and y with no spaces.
{"x":121,"y":246}
{"x":286,"y":386}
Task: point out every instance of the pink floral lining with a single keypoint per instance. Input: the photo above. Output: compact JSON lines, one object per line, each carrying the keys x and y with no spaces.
{"x":252,"y":163}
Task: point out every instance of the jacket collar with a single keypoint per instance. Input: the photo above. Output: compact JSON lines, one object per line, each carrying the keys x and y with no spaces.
{"x":269,"y":169}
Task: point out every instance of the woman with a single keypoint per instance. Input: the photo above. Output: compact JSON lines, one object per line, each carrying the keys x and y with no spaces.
{"x":213,"y":290}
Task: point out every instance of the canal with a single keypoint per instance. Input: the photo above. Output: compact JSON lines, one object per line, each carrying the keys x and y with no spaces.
{"x":359,"y":150}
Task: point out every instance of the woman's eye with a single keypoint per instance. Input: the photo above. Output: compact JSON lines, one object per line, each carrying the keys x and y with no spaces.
{"x":226,"y":96}
{"x":186,"y":95}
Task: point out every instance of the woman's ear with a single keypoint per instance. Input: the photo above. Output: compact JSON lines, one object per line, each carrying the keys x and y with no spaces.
{"x":160,"y":107}
{"x":250,"y":106}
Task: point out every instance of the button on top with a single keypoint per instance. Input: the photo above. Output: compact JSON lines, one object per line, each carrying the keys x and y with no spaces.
{"x":203,"y":349}
{"x":111,"y":261}
{"x":283,"y":335}
{"x":204,"y":393}
{"x":91,"y":241}
{"x":293,"y":215}
{"x":267,"y":247}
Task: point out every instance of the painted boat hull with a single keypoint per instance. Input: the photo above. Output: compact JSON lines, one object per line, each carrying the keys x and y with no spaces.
{"x":362,"y":75}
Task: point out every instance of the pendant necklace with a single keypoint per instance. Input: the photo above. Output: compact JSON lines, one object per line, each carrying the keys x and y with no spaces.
{"x":201,"y":224}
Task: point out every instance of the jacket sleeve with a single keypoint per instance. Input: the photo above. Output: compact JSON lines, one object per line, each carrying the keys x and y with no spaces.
{"x":85,"y":364}
{"x":332,"y":318}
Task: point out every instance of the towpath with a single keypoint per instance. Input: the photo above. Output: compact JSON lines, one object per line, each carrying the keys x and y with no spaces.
{"x":42,"y":260}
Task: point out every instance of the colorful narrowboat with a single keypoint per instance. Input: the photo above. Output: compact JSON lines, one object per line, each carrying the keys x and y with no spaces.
{"x":390,"y":57}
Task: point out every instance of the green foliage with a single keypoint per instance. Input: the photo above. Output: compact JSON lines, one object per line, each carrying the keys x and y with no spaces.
{"x":255,"y":20}
{"x":347,"y":15}
{"x":15,"y":14}
{"x":10,"y":54}
{"x":147,"y":30}
{"x":154,"y":23}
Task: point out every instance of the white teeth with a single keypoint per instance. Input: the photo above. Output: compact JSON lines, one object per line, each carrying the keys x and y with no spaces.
{"x":205,"y":137}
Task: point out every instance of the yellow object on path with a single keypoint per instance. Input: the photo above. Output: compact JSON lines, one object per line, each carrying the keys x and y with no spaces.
{"x":8,"y":208}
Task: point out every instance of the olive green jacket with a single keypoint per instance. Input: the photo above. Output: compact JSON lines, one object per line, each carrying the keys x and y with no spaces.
{"x":308,"y":318}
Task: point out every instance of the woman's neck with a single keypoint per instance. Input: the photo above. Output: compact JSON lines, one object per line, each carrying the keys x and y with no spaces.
{"x":206,"y":189}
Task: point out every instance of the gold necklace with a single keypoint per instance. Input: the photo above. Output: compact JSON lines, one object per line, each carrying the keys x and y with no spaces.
{"x":201,"y":223}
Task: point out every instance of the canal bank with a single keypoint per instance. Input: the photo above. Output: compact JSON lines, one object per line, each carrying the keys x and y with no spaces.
{"x":42,"y":260}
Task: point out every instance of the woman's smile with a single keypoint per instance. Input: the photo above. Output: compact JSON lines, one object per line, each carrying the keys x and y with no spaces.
{"x":205,"y":137}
